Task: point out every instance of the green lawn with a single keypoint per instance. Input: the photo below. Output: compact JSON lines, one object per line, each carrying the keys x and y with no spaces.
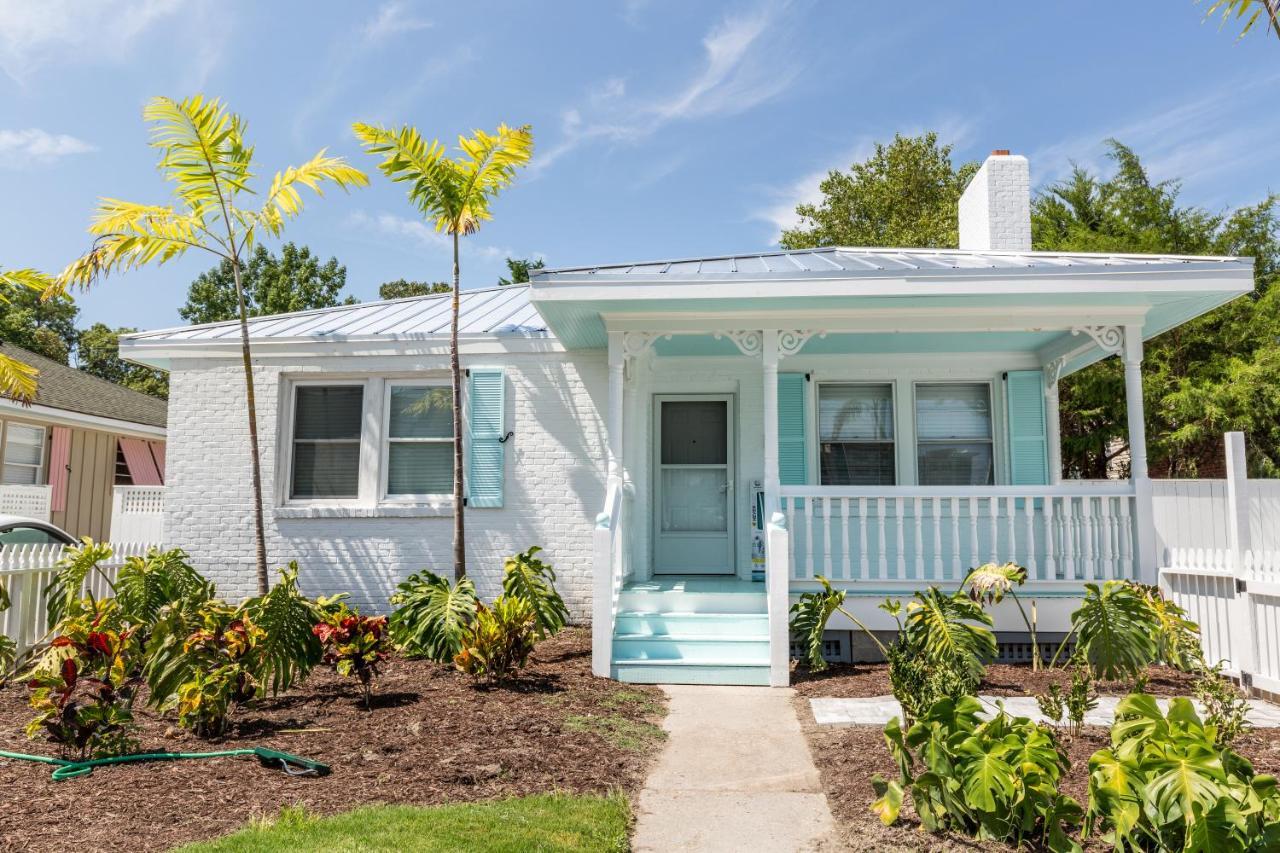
{"x":544,"y":822}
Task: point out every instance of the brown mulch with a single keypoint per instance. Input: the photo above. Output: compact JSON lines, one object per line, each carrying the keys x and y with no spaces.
{"x":847,"y":757}
{"x":432,"y":736}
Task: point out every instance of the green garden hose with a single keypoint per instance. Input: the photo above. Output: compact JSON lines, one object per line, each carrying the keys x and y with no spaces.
{"x":292,"y":764}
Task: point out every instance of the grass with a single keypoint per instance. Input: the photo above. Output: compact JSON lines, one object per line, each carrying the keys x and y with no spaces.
{"x":546,"y":822}
{"x":632,"y":735}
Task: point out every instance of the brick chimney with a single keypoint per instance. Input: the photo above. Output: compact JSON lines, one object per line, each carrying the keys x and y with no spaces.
{"x":995,"y":209}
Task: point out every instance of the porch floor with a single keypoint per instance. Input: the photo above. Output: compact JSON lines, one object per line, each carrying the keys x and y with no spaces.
{"x":695,"y":583}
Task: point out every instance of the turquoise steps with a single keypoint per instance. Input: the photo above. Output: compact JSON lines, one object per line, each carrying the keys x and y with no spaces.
{"x":679,"y":672}
{"x":690,"y":649}
{"x":744,"y":625}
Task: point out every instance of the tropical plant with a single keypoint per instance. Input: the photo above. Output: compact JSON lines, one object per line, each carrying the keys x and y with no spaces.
{"x":288,"y":649}
{"x":145,"y":585}
{"x":1072,"y":704}
{"x":8,"y":648}
{"x":991,"y":582}
{"x":498,"y":641}
{"x":1053,"y":704}
{"x":993,"y":780}
{"x":17,"y":378}
{"x":528,"y":578}
{"x":1248,"y":11}
{"x":431,"y":616}
{"x":1226,"y":706}
{"x":455,"y":194}
{"x":918,"y":680}
{"x":66,"y":588}
{"x":943,"y":627}
{"x":809,"y":617}
{"x":1177,"y":638}
{"x":204,"y":154}
{"x":1164,"y":784}
{"x":1116,"y":631}
{"x":354,"y":645}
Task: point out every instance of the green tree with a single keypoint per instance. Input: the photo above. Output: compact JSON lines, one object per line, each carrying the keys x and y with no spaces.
{"x":17,"y":378}
{"x":1219,"y":372}
{"x":905,"y":194}
{"x":401,"y":288}
{"x":520,"y":269}
{"x":98,"y":353}
{"x":204,"y":154}
{"x":43,"y":325}
{"x":295,"y":280}
{"x":1248,"y":12}
{"x":454,"y":193}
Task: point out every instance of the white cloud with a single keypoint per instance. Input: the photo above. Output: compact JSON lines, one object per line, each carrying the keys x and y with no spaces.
{"x":393,"y":18}
{"x":22,"y":147}
{"x":423,"y":234}
{"x":33,"y":34}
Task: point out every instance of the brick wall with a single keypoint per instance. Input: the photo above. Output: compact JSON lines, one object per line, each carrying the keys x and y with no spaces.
{"x":995,"y":210}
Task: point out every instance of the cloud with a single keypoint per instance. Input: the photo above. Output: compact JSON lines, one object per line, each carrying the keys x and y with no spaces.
{"x":22,"y":147}
{"x":745,"y":63}
{"x":392,"y":19}
{"x":34,"y":34}
{"x":423,"y":234}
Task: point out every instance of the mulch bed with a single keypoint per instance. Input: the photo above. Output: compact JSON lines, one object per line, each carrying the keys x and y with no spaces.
{"x":433,"y":736}
{"x":847,"y":757}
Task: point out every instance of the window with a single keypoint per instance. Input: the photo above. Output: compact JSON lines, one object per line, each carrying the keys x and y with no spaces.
{"x":953,"y":435}
{"x":855,"y":435}
{"x":326,"y":441}
{"x":419,"y":456}
{"x":23,"y":454}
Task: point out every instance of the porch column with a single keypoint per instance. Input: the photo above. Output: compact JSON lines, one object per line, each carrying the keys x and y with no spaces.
{"x":769,"y":359}
{"x":1143,"y":516}
{"x":777,"y":548}
{"x":617,"y":370}
{"x":1053,"y":432}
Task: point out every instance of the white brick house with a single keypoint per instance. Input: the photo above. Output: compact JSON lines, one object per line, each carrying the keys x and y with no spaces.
{"x":886,"y":418}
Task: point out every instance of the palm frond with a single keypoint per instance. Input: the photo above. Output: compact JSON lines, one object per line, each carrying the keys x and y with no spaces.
{"x":488,"y":168}
{"x":533,"y":581}
{"x":288,"y":650}
{"x":131,"y":235}
{"x":431,"y":617}
{"x":18,"y":380}
{"x":202,"y":150}
{"x":29,"y":279}
{"x":285,"y":202}
{"x":1248,"y":11}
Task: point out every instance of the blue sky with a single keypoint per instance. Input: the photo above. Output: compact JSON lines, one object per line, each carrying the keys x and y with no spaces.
{"x":663,"y":128}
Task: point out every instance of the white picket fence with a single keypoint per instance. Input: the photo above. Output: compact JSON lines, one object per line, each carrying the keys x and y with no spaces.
{"x":26,"y":570}
{"x":1219,"y":548}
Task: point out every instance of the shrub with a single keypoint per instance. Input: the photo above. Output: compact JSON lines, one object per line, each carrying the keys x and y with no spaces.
{"x":942,"y":627}
{"x":994,"y":780}
{"x":431,"y":616}
{"x":84,"y":685}
{"x":1226,"y":706}
{"x":146,"y":585}
{"x":1177,"y":638}
{"x":525,"y":576}
{"x":1165,"y":785}
{"x":499,"y":640}
{"x":354,"y":645}
{"x":918,"y":680}
{"x":1116,"y":630}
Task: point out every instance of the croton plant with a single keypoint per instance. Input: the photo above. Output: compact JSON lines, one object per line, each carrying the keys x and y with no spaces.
{"x":354,"y":645}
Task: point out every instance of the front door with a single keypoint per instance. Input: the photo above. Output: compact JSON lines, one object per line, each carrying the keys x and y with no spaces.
{"x":693,"y":485}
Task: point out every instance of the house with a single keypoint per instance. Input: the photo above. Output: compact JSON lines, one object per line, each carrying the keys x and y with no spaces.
{"x":81,"y":438}
{"x":886,"y":418}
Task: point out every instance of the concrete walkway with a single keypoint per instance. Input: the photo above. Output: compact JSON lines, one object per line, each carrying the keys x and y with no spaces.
{"x":735,"y":775}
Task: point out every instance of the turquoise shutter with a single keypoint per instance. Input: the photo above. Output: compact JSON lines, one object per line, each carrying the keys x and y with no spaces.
{"x":1028,"y":446}
{"x":485,"y":429}
{"x":792,"y":469}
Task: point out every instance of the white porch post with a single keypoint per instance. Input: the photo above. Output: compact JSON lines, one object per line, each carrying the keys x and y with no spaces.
{"x":1053,"y":431}
{"x":777,"y":568}
{"x":617,"y":371}
{"x":1143,"y":515}
{"x":608,"y":522}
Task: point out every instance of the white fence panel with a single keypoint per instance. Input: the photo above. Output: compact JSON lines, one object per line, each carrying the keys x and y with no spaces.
{"x":28,"y":501}
{"x":1209,"y":598}
{"x":137,"y":514}
{"x":1189,"y":514}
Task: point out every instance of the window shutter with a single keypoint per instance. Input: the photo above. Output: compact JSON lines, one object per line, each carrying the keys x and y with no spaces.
{"x":1028,"y":445}
{"x":59,"y":457}
{"x":142,"y":465}
{"x":792,"y":470}
{"x":485,"y":430}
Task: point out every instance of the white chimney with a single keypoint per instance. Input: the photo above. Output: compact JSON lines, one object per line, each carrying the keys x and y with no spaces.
{"x":995,"y":209}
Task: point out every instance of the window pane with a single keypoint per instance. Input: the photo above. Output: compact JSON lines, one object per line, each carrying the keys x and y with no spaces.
{"x":20,"y":475}
{"x":23,"y":445}
{"x":694,"y":500}
{"x":857,"y":464}
{"x":420,"y":468}
{"x":953,"y":411}
{"x":421,"y":412}
{"x":328,"y":411}
{"x":695,"y":432}
{"x":957,"y":464}
{"x":326,"y":470}
{"x":851,"y":412}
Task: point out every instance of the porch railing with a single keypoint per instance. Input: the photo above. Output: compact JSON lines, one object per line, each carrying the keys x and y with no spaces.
{"x":1072,"y":532}
{"x":611,"y":568}
{"x":29,"y":501}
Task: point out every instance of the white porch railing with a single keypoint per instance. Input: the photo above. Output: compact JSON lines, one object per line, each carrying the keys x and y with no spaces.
{"x":1072,"y":532}
{"x":611,"y":568}
{"x":26,"y":570}
{"x":137,"y":514}
{"x":29,"y":501}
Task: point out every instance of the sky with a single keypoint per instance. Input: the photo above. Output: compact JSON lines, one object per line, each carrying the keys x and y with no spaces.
{"x":663,"y":128}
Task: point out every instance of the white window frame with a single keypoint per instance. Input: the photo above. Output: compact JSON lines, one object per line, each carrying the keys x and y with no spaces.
{"x":384,"y":451}
{"x":817,"y":426}
{"x":287,"y":444}
{"x":39,"y":466}
{"x":996,"y":427}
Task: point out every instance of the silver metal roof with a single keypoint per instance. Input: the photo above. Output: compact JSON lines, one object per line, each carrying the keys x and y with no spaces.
{"x":492,"y":311}
{"x":855,"y":262}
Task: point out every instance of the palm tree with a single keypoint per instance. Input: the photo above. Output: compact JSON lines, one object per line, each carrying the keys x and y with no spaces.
{"x":1248,"y":11}
{"x":454,"y":193}
{"x":17,"y":378}
{"x":204,"y":155}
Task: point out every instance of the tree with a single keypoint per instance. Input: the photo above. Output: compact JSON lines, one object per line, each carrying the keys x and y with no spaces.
{"x":98,"y":354}
{"x":520,"y":269}
{"x":17,"y":378}
{"x":1248,"y":11}
{"x":44,"y":325}
{"x":455,"y":193}
{"x":293,"y":281}
{"x":203,"y":153}
{"x":1219,"y":372}
{"x":905,"y":194}
{"x":401,"y":288}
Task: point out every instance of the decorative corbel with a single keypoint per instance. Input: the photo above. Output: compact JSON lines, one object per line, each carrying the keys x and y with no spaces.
{"x":791,"y":341}
{"x":1108,"y":338}
{"x":748,"y":342}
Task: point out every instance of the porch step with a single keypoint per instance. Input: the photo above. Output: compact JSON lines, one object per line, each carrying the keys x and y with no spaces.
{"x":629,"y":648}
{"x":686,"y":672}
{"x":656,"y":624}
{"x":693,"y":596}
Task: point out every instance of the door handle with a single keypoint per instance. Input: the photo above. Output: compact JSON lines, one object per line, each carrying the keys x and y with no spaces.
{"x":727,"y":487}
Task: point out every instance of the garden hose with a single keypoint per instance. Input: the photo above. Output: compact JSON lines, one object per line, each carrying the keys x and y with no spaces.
{"x":291,"y":764}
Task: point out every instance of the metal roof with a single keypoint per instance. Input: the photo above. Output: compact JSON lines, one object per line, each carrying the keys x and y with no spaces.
{"x":843,"y":262}
{"x":492,"y":311}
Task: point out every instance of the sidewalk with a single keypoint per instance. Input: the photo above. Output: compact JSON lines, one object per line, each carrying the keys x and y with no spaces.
{"x":735,"y":775}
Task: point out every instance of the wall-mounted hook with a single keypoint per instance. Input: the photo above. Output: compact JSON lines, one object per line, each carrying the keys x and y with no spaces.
{"x":504,"y":439}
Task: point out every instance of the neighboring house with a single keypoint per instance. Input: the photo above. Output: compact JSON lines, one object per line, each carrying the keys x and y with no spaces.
{"x":886,"y":418}
{"x":81,"y":437}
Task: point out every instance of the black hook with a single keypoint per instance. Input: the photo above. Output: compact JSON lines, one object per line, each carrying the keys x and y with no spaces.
{"x":503,"y":440}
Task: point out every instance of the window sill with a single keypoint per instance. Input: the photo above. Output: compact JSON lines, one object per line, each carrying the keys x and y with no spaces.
{"x":385,"y":511}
